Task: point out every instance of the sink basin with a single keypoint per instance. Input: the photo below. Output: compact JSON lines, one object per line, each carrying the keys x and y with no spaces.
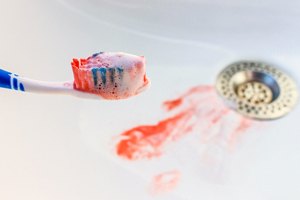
{"x":61,"y":147}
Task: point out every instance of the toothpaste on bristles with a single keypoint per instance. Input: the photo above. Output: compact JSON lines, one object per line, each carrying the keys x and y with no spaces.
{"x":111,"y":75}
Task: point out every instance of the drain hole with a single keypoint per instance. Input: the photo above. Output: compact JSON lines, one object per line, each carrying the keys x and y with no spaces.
{"x":256,"y":88}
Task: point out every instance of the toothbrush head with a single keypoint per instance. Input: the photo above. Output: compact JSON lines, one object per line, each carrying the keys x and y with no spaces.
{"x":111,"y":75}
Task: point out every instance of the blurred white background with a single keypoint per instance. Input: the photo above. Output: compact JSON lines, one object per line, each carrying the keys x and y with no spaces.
{"x":53,"y":147}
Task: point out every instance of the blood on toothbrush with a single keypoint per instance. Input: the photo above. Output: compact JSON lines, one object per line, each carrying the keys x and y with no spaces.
{"x":194,"y":112}
{"x":110,"y":75}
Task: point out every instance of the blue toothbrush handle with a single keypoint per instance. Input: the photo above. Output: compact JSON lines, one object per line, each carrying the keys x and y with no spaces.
{"x":10,"y":80}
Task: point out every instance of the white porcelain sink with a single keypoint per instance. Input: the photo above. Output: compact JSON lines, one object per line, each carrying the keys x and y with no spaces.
{"x":59,"y":147}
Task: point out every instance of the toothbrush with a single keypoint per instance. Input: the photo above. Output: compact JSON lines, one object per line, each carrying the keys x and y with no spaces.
{"x":104,"y":75}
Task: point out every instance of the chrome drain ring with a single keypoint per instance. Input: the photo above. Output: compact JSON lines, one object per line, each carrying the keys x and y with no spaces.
{"x":257,"y":90}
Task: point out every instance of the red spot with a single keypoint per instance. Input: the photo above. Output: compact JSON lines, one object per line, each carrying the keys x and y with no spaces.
{"x":243,"y":125}
{"x":140,"y":65}
{"x":200,"y":89}
{"x":75,"y":62}
{"x":219,"y":116}
{"x":83,"y":61}
{"x":146,"y":141}
{"x":165,"y":182}
{"x":170,"y":105}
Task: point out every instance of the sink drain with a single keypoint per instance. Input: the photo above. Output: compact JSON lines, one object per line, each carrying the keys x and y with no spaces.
{"x":255,"y":93}
{"x":257,"y":90}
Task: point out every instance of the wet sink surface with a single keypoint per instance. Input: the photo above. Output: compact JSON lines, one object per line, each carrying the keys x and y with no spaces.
{"x":59,"y":147}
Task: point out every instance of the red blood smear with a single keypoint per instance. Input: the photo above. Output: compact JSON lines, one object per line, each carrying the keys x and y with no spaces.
{"x":170,"y":105}
{"x":198,"y":111}
{"x":218,"y":117}
{"x":145,"y":141}
{"x":243,"y":126}
{"x":165,"y":182}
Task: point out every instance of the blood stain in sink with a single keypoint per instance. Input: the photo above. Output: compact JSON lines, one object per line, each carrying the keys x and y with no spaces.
{"x":146,"y":141}
{"x":165,"y":182}
{"x":197,"y":111}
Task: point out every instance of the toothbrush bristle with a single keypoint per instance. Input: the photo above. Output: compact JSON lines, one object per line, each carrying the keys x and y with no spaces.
{"x":110,"y":75}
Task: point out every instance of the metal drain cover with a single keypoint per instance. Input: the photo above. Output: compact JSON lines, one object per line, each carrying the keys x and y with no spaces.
{"x":257,"y":90}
